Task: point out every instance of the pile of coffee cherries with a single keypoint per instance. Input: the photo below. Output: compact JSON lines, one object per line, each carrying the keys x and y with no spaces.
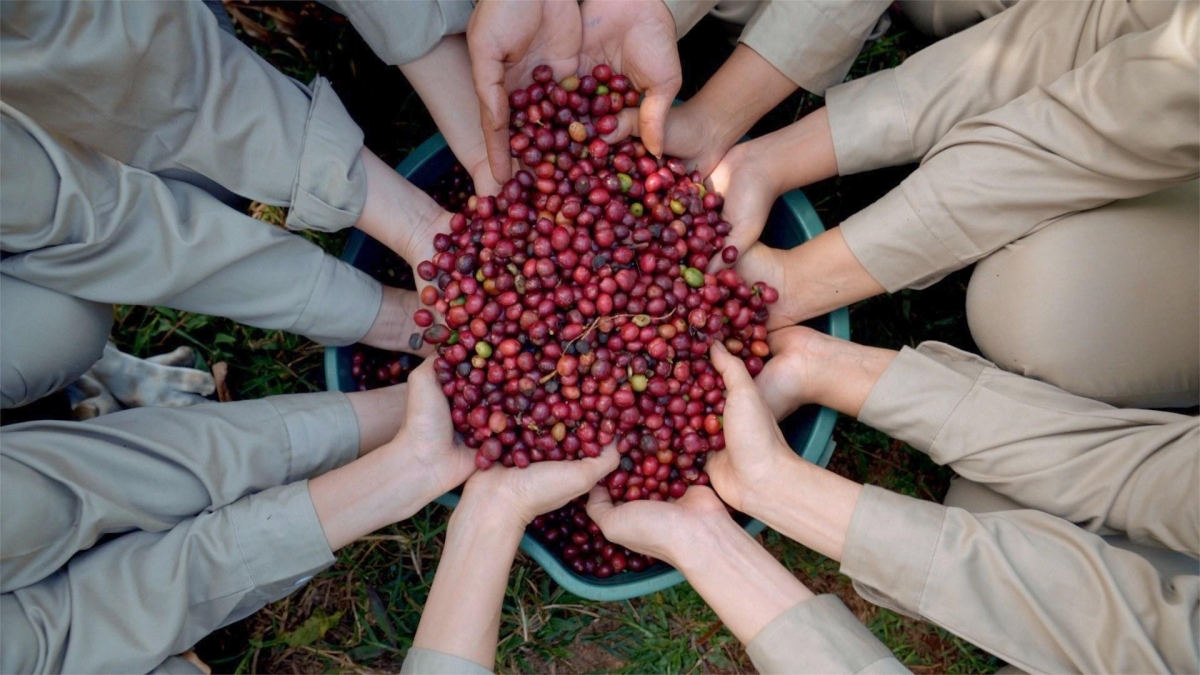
{"x":573,"y":310}
{"x":577,"y":540}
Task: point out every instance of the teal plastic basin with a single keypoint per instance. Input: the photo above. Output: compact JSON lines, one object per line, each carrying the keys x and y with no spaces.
{"x":808,"y":431}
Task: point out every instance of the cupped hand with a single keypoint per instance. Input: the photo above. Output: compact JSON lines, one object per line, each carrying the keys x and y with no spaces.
{"x":507,"y":39}
{"x":786,"y":380}
{"x":426,"y":443}
{"x":755,"y":448}
{"x":744,"y":180}
{"x":637,"y":38}
{"x":760,"y":262}
{"x":524,"y":494}
{"x":691,"y":135}
{"x":663,"y":530}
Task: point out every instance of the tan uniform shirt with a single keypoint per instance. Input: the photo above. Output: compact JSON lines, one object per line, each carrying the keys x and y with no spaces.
{"x":1031,"y":586}
{"x":403,"y":31}
{"x":1099,"y":104}
{"x":812,"y":42}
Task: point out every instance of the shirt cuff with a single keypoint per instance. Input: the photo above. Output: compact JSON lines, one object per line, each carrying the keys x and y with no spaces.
{"x":430,"y":662}
{"x":868,"y":124}
{"x":400,"y":32}
{"x":342,"y":307}
{"x":919,"y":391}
{"x":687,"y":13}
{"x":280,"y":539}
{"x":808,"y":44}
{"x":331,"y":184}
{"x":322,"y":432}
{"x":819,"y":635}
{"x":894,"y":241}
{"x":890,"y":547}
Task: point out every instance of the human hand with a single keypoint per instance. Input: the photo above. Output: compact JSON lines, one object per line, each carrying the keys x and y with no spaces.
{"x":692,"y":134}
{"x":394,"y":326}
{"x":425,"y":448}
{"x":520,"y":495}
{"x":663,"y":530}
{"x":755,"y":449}
{"x":637,"y":38}
{"x":745,"y":179}
{"x":507,"y":39}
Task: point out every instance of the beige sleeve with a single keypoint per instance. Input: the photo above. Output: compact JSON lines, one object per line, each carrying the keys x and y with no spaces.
{"x":896,"y":116}
{"x":1073,"y":145}
{"x":69,"y":484}
{"x":1084,"y":461}
{"x":160,"y":87}
{"x":813,"y":42}
{"x":403,"y":31}
{"x":131,"y":602}
{"x":820,"y":635}
{"x":80,"y":223}
{"x":687,"y":13}
{"x":429,"y":662}
{"x":1033,"y":589}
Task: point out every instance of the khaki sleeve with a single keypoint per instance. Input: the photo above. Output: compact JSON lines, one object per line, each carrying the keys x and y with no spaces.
{"x":820,"y":635}
{"x":69,"y":484}
{"x":1078,"y":143}
{"x":399,"y":32}
{"x":130,"y":603}
{"x":687,"y":13}
{"x":812,"y":42}
{"x":896,"y":116}
{"x":160,"y":87}
{"x":1031,"y":588}
{"x":116,"y":234}
{"x":429,"y":662}
{"x":1078,"y":459}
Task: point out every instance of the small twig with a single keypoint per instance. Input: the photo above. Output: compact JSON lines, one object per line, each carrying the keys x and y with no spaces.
{"x":596,"y":322}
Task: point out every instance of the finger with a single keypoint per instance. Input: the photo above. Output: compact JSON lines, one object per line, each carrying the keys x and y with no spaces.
{"x":627,"y":125}
{"x":731,"y":368}
{"x":599,"y":505}
{"x":423,"y":386}
{"x":183,"y":356}
{"x":652,"y":117}
{"x":587,"y":472}
{"x":488,"y":73}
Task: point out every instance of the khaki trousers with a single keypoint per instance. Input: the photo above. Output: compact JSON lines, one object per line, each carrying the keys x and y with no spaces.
{"x":1103,"y":303}
{"x":128,"y":538}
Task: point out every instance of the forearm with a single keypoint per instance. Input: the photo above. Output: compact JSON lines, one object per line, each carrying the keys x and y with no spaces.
{"x":371,"y":492}
{"x":745,"y":88}
{"x":739,"y":579}
{"x":462,"y":614}
{"x":799,"y":154}
{"x":818,"y":276}
{"x":807,"y":504}
{"x":442,"y":78}
{"x":397,"y":213}
{"x":380,"y":414}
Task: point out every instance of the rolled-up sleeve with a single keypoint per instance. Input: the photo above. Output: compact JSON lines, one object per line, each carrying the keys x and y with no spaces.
{"x":429,"y":662}
{"x":812,"y":42}
{"x":160,"y":87}
{"x":820,"y":635}
{"x":1073,"y":145}
{"x":1033,"y":589}
{"x":130,"y":603}
{"x":399,"y":32}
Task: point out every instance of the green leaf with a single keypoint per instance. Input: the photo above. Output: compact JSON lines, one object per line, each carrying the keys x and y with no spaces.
{"x":379,"y":613}
{"x":224,"y":339}
{"x":314,"y":628}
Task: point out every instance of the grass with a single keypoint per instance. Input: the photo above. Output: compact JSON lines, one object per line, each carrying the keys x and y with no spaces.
{"x":362,"y":613}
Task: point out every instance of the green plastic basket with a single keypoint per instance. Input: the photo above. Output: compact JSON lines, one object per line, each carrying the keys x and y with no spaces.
{"x":808,"y":431}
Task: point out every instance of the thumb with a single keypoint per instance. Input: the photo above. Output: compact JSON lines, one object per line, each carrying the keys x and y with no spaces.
{"x":652,"y":117}
{"x":595,"y":468}
{"x":423,"y":387}
{"x":731,"y":368}
{"x":493,"y":113}
{"x":627,"y":125}
{"x":599,"y":505}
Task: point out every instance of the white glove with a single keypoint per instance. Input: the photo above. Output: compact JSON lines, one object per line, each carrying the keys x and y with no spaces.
{"x":118,"y":378}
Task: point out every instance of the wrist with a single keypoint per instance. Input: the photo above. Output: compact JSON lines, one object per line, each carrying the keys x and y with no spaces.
{"x":697,"y":543}
{"x":786,"y":467}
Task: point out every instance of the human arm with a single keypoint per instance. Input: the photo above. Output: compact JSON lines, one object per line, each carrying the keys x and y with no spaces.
{"x":784,"y":627}
{"x":461,"y":618}
{"x":945,"y":564}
